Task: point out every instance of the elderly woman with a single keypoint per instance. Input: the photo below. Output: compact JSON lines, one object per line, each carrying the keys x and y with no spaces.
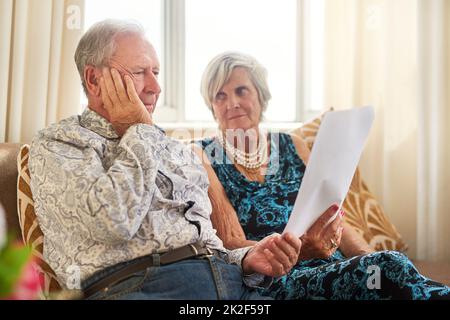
{"x":254,"y":179}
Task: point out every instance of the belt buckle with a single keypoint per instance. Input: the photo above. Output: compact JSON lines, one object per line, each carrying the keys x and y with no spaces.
{"x":209,"y":252}
{"x":194,"y":249}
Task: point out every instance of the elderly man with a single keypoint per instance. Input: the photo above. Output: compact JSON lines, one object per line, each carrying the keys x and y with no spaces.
{"x":124,"y":204}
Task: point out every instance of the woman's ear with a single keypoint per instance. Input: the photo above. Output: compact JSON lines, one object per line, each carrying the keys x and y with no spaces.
{"x":92,"y":80}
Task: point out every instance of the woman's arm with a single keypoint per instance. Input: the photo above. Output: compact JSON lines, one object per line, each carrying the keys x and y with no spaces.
{"x":223,"y":216}
{"x":352,"y":243}
{"x":302,"y":148}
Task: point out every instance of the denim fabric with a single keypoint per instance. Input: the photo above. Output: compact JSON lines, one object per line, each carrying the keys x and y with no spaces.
{"x":194,"y":279}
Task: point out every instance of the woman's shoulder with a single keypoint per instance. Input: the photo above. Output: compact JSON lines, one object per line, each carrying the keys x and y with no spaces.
{"x":204,"y":142}
{"x":209,"y":151}
{"x":296,"y":138}
{"x":299,"y":144}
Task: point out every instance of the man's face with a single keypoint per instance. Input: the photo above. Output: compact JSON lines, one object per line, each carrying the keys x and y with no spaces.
{"x":136,"y":57}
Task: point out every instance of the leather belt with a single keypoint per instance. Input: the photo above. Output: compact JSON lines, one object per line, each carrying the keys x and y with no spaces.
{"x":190,"y":251}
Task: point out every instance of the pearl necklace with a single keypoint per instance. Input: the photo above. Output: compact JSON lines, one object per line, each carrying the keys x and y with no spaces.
{"x":251,"y":161}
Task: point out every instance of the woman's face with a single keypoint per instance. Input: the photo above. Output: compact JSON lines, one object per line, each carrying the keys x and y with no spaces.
{"x":236,"y":105}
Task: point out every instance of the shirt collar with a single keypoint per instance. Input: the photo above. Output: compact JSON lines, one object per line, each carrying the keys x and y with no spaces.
{"x":91,"y":120}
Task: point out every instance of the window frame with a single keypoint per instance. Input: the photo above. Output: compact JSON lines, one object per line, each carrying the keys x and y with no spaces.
{"x":172,"y":109}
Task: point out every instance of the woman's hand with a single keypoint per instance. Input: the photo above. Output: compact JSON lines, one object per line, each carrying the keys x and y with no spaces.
{"x":122,"y":102}
{"x":273,"y":256}
{"x":322,"y":240}
{"x":353,"y":243}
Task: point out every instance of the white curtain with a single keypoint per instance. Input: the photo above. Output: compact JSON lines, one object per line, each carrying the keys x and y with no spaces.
{"x":395,"y":55}
{"x":39,"y":83}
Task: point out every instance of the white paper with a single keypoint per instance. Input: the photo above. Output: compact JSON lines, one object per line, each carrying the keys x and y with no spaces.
{"x":331,"y":166}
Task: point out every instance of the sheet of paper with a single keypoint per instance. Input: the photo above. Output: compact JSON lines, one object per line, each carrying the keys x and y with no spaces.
{"x":331,"y":166}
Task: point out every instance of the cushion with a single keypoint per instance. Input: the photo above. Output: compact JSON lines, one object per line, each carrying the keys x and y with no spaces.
{"x":31,"y":232}
{"x":362,"y":210}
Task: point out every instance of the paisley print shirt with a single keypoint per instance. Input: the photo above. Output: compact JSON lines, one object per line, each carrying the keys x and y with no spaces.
{"x":101,"y":200}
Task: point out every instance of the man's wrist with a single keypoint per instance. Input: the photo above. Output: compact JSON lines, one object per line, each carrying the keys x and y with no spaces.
{"x":246,"y":268}
{"x":121,"y":128}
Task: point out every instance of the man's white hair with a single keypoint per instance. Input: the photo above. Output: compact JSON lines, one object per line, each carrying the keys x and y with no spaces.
{"x":98,"y":44}
{"x":219,"y":70}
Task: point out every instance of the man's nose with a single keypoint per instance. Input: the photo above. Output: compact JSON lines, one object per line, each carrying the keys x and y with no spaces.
{"x":152,"y":84}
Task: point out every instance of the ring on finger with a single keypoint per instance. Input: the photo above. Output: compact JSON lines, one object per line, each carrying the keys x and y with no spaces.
{"x":333,"y":244}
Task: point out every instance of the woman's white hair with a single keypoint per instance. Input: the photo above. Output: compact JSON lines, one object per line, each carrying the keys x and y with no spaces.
{"x":219,"y":70}
{"x":98,"y":44}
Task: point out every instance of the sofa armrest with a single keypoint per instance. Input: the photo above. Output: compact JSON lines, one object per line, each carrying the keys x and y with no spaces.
{"x":8,"y":185}
{"x":437,"y":271}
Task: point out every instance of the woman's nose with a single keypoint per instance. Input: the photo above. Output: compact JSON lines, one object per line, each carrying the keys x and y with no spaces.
{"x":233,"y":102}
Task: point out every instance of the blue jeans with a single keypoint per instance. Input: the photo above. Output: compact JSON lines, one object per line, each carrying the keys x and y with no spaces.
{"x":209,"y":278}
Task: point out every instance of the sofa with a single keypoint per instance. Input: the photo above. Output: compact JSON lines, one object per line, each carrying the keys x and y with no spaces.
{"x":8,"y":185}
{"x":439,"y":271}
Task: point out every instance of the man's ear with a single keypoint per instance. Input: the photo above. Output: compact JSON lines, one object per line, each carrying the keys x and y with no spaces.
{"x":92,"y":80}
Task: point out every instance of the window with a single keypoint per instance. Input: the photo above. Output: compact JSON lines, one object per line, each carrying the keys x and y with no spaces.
{"x":312,"y":61}
{"x":265,"y":29}
{"x":188,"y":34}
{"x":146,"y":12}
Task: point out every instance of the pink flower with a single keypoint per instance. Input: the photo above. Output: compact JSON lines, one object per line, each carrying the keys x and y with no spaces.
{"x":29,"y":283}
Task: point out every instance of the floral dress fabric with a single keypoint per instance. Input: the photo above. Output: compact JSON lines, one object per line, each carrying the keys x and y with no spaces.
{"x":264,"y":208}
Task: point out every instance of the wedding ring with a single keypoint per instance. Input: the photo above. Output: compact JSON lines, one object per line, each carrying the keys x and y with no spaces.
{"x":333,"y":244}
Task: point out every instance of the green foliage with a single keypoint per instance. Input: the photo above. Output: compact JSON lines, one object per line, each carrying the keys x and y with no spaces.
{"x":13,"y":259}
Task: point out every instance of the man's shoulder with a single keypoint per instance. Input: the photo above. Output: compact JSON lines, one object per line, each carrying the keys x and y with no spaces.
{"x":69,"y":124}
{"x":67,"y":131}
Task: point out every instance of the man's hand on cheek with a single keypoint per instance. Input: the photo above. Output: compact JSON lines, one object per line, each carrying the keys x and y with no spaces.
{"x":121,"y":101}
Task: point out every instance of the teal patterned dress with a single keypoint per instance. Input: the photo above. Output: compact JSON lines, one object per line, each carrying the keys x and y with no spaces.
{"x":264,"y":208}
